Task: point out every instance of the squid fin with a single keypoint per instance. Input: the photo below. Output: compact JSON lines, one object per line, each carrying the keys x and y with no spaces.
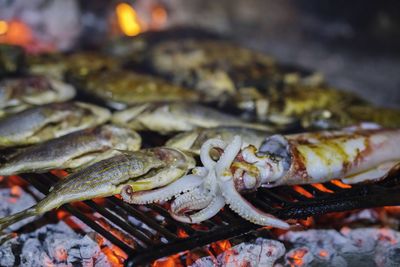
{"x":377,"y":173}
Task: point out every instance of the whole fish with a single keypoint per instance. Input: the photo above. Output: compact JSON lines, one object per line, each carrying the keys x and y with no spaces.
{"x":143,"y":170}
{"x":49,"y":121}
{"x":193,"y":140}
{"x":72,"y":151}
{"x":121,"y":88}
{"x":173,"y":117}
{"x":21,"y":93}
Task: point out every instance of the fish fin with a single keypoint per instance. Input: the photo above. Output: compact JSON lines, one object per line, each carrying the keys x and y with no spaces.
{"x":377,"y":173}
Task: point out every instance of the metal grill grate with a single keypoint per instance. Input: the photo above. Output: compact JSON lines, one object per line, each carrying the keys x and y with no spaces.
{"x":160,"y":239}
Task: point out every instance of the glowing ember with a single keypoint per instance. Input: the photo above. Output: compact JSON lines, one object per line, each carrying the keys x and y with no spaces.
{"x":172,"y":261}
{"x":296,"y":258}
{"x":128,"y":20}
{"x":322,"y":188}
{"x":340,"y":184}
{"x":181,"y":233}
{"x":221,"y":246}
{"x":302,"y":191}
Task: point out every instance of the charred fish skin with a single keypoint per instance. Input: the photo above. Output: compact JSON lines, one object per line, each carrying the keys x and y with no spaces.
{"x":49,"y":121}
{"x":145,"y":168}
{"x":173,"y":117}
{"x":193,"y":140}
{"x":18,"y":94}
{"x":72,"y":151}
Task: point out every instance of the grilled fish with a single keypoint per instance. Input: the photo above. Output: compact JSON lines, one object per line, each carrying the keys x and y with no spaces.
{"x":72,"y":151}
{"x":121,"y":88}
{"x":21,"y":93}
{"x":49,"y":121}
{"x":143,"y":170}
{"x":172,"y":117}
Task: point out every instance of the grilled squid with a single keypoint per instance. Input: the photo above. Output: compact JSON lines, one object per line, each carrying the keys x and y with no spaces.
{"x":352,"y":155}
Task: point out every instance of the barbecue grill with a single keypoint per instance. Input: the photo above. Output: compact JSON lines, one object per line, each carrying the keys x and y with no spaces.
{"x":285,"y":202}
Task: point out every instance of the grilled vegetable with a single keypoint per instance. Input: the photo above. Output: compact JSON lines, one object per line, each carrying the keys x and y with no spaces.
{"x":145,"y":169}
{"x":21,"y":93}
{"x":72,"y":151}
{"x":173,"y":117}
{"x":49,"y":121}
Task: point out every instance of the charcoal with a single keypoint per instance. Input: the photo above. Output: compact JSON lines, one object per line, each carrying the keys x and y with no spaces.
{"x":261,"y":252}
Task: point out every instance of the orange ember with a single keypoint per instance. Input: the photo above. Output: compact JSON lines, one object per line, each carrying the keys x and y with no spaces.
{"x":221,"y":246}
{"x":181,"y":233}
{"x":172,"y":261}
{"x":323,"y":253}
{"x":340,"y":184}
{"x":302,"y":191}
{"x":297,"y":257}
{"x":59,"y":173}
{"x":115,"y":255}
{"x":322,"y":188}
{"x":128,"y":20}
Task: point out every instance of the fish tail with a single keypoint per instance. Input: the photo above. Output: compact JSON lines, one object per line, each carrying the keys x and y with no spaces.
{"x":19,"y":216}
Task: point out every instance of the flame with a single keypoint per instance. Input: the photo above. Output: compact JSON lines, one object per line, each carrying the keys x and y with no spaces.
{"x":3,"y":27}
{"x":158,"y":17}
{"x":15,"y":32}
{"x":172,"y":261}
{"x":128,"y":20}
{"x":181,"y":233}
{"x":322,"y":188}
{"x":340,"y":184}
{"x":115,"y":255}
{"x":297,"y":257}
{"x":302,"y":191}
{"x":221,"y":246}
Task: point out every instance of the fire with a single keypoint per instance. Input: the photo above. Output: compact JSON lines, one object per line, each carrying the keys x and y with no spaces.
{"x":3,"y":27}
{"x":322,"y":188}
{"x":181,"y":233}
{"x":323,"y":253}
{"x":297,"y":257}
{"x":302,"y":191}
{"x":15,"y":32}
{"x":115,"y":255}
{"x":340,"y":184}
{"x":221,"y":246}
{"x":172,"y":261}
{"x":128,"y":20}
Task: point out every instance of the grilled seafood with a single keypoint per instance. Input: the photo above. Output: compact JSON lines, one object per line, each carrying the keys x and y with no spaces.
{"x":12,"y":59}
{"x":72,"y":151}
{"x":122,"y":88}
{"x":350,"y":155}
{"x":171,"y":117}
{"x":49,"y":121}
{"x":204,"y":65}
{"x":143,"y":170}
{"x":56,"y":65}
{"x":193,"y":140}
{"x":292,"y":103}
{"x":21,"y":93}
{"x":351,"y":115}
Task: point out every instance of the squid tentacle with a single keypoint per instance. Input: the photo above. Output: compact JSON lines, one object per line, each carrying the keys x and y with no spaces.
{"x":196,"y":199}
{"x":211,"y":210}
{"x":186,"y":183}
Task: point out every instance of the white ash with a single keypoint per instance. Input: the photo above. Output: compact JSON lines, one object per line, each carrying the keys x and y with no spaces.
{"x":261,"y":252}
{"x":349,"y":247}
{"x":52,"y":245}
{"x":13,"y":200}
